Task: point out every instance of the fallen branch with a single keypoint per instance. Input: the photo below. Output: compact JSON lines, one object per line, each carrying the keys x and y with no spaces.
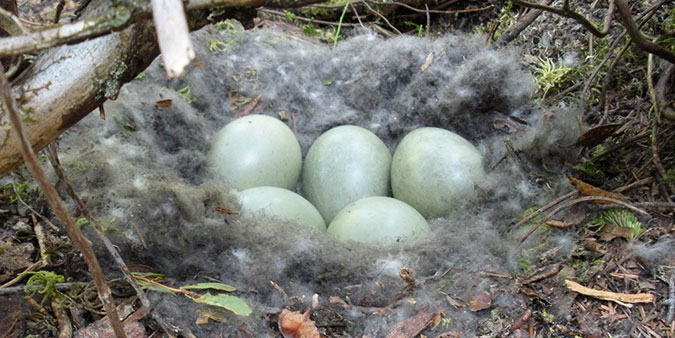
{"x":624,"y":299}
{"x":55,"y":202}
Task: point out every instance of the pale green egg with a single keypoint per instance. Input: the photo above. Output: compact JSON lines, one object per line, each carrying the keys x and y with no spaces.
{"x":434,"y":169}
{"x":343,"y":165}
{"x":281,"y":204}
{"x":256,"y":150}
{"x":378,"y":220}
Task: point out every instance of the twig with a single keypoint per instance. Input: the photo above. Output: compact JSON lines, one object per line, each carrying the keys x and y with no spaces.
{"x":56,"y":164}
{"x":640,"y":40}
{"x":59,"y":207}
{"x":566,"y":12}
{"x":65,"y":326}
{"x":19,"y":277}
{"x":323,"y":22}
{"x":20,"y":288}
{"x":608,"y":73}
{"x":579,"y":200}
{"x":365,"y":3}
{"x":519,"y":26}
{"x":546,"y":207}
{"x":117,"y":18}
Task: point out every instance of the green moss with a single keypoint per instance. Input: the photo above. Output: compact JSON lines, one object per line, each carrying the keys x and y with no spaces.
{"x":16,"y":191}
{"x":229,"y":26}
{"x":550,"y":77}
{"x":623,"y":218}
{"x":591,"y":169}
{"x":216,"y":45}
{"x":186,"y":94}
{"x":140,"y":76}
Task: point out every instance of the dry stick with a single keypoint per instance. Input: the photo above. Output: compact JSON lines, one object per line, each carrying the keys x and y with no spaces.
{"x":59,"y":207}
{"x":519,"y":26}
{"x":566,"y":12}
{"x":365,"y":3}
{"x":546,"y":207}
{"x":605,"y":83}
{"x":579,"y":200}
{"x":56,"y":164}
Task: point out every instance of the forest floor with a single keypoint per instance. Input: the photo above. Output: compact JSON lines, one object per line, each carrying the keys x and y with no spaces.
{"x":628,"y":155}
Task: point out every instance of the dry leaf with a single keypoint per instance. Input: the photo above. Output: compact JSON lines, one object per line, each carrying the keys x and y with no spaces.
{"x":597,"y":135}
{"x":610,"y":232}
{"x":163,"y":104}
{"x":293,"y":324}
{"x":589,"y":190}
{"x":412,"y":326}
{"x":427,"y":61}
{"x":619,"y":298}
{"x":480,"y":301}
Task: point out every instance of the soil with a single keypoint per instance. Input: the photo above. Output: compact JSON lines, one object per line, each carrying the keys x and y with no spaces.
{"x":628,"y":155}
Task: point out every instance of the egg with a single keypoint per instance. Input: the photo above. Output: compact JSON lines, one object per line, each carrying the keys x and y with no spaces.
{"x":343,"y":165}
{"x":434,"y":169}
{"x":378,"y":220}
{"x":281,"y":204}
{"x":256,"y":150}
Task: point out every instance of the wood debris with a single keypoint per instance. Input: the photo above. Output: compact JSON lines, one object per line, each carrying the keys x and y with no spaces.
{"x":620,"y":298}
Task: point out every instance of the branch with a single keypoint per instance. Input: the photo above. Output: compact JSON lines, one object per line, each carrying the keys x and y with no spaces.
{"x":566,"y":12}
{"x":59,"y":207}
{"x":638,"y":38}
{"x":116,"y":19}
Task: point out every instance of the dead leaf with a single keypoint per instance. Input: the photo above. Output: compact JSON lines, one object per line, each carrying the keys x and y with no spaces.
{"x":597,"y":135}
{"x":589,"y":190}
{"x":338,"y":301}
{"x":542,"y":273}
{"x":210,"y":313}
{"x":163,"y":104}
{"x":480,"y":301}
{"x":293,"y":324}
{"x":610,"y":232}
{"x":619,"y":298}
{"x":593,"y":245}
{"x":412,"y":326}
{"x":521,"y":320}
{"x":15,"y":256}
{"x":427,"y":61}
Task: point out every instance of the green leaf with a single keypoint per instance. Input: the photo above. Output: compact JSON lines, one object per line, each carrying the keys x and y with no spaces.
{"x":227,"y":302}
{"x":215,"y":286}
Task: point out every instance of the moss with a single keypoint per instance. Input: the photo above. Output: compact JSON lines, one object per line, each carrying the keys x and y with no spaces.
{"x":186,"y":94}
{"x":216,"y":45}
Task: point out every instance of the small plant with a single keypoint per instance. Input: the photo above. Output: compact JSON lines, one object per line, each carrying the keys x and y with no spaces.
{"x":550,"y":75}
{"x":216,"y":45}
{"x":623,"y":218}
{"x":152,"y":281}
{"x":15,"y":191}
{"x":186,"y":94}
{"x":140,"y":76}
{"x":44,"y":283}
{"x":418,"y":27}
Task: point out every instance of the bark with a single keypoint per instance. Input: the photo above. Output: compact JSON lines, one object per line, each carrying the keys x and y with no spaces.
{"x":70,"y":81}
